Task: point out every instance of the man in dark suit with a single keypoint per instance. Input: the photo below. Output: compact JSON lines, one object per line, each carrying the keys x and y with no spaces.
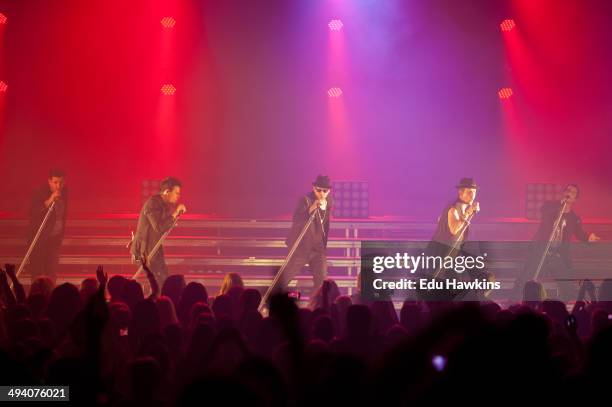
{"x":558,"y":259}
{"x":157,"y":216}
{"x":45,"y":255}
{"x":312,"y":248}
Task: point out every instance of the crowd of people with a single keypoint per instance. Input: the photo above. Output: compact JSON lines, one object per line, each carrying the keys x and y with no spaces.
{"x":182,"y":345}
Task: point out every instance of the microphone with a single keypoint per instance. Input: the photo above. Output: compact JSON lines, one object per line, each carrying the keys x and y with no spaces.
{"x":475,"y":207}
{"x":323,"y":204}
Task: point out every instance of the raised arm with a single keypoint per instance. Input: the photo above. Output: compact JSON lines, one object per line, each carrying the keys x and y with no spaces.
{"x":152,"y":280}
{"x":19,"y":290}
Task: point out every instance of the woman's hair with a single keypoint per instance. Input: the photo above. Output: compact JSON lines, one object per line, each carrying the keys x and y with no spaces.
{"x":229,"y":281}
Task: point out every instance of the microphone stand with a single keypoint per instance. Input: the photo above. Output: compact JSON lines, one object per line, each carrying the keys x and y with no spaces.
{"x":280,"y":272}
{"x":550,"y":239}
{"x":26,"y":258}
{"x":157,"y":246}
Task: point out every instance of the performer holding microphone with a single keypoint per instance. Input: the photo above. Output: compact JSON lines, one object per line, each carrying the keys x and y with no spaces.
{"x":312,"y":248}
{"x":157,"y":216}
{"x":448,"y":241}
{"x":550,"y":252}
{"x":52,"y":198}
{"x":453,"y":223}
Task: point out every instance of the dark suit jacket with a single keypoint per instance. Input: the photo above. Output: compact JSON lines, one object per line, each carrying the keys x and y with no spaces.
{"x":300,"y":216}
{"x":154,"y":220}
{"x":38,"y":210}
{"x":573,"y":228}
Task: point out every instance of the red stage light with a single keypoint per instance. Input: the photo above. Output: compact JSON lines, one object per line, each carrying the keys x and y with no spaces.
{"x":334,"y":92}
{"x":2,"y":19}
{"x":335,"y":25}
{"x":168,"y":89}
{"x":505,"y":93}
{"x":3,"y":86}
{"x":168,"y":22}
{"x":507,"y":25}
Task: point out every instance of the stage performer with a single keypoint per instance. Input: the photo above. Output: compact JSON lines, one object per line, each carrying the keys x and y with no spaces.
{"x":557,"y":260}
{"x":45,"y":255}
{"x":156,"y":217}
{"x":312,"y":249}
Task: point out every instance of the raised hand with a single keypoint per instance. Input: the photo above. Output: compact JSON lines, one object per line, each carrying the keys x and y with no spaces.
{"x":10,"y":271}
{"x":593,"y":237}
{"x":151,"y":278}
{"x":180,"y":209}
{"x":101,"y":276}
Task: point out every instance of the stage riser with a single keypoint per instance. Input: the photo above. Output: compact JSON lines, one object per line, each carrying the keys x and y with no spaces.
{"x":255,"y":248}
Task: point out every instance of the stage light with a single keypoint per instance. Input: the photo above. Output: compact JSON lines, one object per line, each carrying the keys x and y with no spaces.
{"x":335,"y":25}
{"x":334,"y":92}
{"x":505,"y":93}
{"x":507,"y":25}
{"x":537,"y":195}
{"x":351,"y":199}
{"x":3,"y":19}
{"x":168,"y":89}
{"x":3,"y":86}
{"x":168,"y":22}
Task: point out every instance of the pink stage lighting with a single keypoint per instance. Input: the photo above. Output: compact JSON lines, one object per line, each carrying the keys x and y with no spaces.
{"x":335,"y":25}
{"x":3,"y":87}
{"x":505,"y":93}
{"x":334,"y":92}
{"x":168,"y":89}
{"x":2,"y":19}
{"x":168,"y":22}
{"x":507,"y":25}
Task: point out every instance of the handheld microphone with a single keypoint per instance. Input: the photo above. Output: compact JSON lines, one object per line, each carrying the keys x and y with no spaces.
{"x":323,"y":204}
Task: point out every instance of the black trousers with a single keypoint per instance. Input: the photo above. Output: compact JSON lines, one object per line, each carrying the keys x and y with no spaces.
{"x":555,"y":266}
{"x":157,"y":265}
{"x":317,"y":262}
{"x":44,"y":259}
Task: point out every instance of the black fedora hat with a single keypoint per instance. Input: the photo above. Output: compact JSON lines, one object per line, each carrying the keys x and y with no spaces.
{"x":467,"y":183}
{"x":322,"y":181}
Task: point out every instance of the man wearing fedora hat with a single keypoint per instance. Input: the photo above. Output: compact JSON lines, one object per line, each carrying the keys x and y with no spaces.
{"x":448,"y":239}
{"x":312,"y":248}
{"x":455,"y":217}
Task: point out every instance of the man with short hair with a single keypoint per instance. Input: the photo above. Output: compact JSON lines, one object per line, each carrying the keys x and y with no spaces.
{"x":312,"y":248}
{"x":157,"y":216}
{"x":448,"y":240}
{"x":558,"y":259}
{"x":44,"y":259}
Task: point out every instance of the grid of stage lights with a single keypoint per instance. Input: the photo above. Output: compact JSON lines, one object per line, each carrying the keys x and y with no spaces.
{"x":3,"y":19}
{"x":334,"y":92}
{"x":505,"y":93}
{"x":537,"y":194}
{"x":168,"y":22}
{"x":335,"y":25}
{"x":168,"y":89}
{"x":148,"y":188}
{"x":351,"y":199}
{"x":3,"y":86}
{"x":507,"y":25}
